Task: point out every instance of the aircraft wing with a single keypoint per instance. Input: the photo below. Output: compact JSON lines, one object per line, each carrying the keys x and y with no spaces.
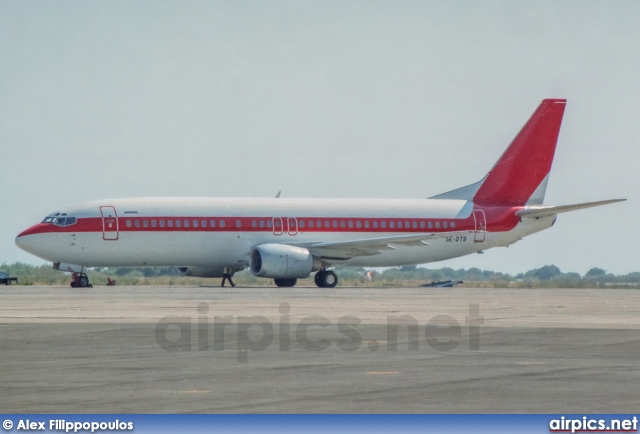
{"x":372,"y":246}
{"x":546,"y":211}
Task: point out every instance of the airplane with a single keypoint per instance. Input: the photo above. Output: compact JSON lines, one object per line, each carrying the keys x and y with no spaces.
{"x":286,"y":239}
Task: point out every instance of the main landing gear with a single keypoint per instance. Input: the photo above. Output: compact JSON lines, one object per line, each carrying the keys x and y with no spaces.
{"x":326,"y":279}
{"x":285,"y":283}
{"x":80,"y":280}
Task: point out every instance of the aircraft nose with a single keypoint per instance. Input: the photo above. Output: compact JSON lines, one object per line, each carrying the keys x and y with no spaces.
{"x":22,"y":241}
{"x":25,"y":239}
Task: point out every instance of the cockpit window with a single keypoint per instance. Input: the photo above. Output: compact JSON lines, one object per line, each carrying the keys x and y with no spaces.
{"x":60,"y":221}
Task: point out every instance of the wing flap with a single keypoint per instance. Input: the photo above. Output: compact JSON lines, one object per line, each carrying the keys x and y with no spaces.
{"x":372,"y":246}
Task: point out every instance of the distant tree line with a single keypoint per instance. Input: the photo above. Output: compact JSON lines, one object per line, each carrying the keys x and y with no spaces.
{"x":547,"y":276}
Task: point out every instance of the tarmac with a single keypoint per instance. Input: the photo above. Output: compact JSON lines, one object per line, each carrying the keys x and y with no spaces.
{"x":144,"y":349}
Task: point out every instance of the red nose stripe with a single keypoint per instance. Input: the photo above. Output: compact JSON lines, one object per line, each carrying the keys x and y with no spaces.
{"x":36,"y":229}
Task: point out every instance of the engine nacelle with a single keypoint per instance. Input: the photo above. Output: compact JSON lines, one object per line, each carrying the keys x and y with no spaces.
{"x":202,"y":271}
{"x":281,"y":261}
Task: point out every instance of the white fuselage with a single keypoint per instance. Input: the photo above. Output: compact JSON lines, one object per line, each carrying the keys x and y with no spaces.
{"x":220,"y":232}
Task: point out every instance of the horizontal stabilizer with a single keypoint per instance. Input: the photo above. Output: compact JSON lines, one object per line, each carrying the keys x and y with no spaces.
{"x":546,"y":211}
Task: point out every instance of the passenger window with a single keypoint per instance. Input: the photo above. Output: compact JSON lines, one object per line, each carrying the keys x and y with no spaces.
{"x":358,"y":224}
{"x":203,"y":223}
{"x":301,"y":224}
{"x":350,"y":224}
{"x":154,"y":223}
{"x":335,"y":224}
{"x":430,"y":225}
{"x":129,"y":224}
{"x":366,"y":224}
{"x":186,"y":223}
{"x":421,"y":225}
{"x":399,"y":225}
{"x":178,"y":223}
{"x":269,"y":224}
{"x":415,"y":225}
{"x":145,"y":223}
{"x":161,"y":223}
{"x":212,"y":223}
{"x":453,"y":225}
{"x":437,"y":225}
{"x":326,"y":224}
{"x":261,"y":223}
{"x":343,"y":224}
{"x":445,"y":225}
{"x":319,"y":224}
{"x":170,"y":223}
{"x":254,"y":224}
{"x":195,"y":223}
{"x":383,"y":224}
{"x":392,"y":225}
{"x":222,"y":223}
{"x":375,"y":224}
{"x":238,"y":223}
{"x":137,"y":223}
{"x":311,"y":223}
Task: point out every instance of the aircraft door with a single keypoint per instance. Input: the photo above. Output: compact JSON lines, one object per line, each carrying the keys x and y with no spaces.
{"x":277,"y":226}
{"x":481,"y":225}
{"x":292,"y":222}
{"x":109,"y":223}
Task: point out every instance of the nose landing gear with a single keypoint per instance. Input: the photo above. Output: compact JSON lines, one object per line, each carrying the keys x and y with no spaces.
{"x":80,"y":280}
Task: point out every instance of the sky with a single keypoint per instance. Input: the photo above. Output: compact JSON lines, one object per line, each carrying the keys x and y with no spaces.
{"x":346,"y":99}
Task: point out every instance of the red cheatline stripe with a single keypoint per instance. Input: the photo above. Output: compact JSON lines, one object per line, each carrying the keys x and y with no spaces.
{"x":503,"y":221}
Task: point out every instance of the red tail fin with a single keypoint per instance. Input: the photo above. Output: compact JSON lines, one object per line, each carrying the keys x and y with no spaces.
{"x":524,"y":166}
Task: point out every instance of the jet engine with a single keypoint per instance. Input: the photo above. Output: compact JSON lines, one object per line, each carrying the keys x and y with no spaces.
{"x":282,"y":261}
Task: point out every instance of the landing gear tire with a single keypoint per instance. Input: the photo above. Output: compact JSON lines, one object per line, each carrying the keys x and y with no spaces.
{"x":81,"y":282}
{"x":84,"y":282}
{"x":326,"y":279}
{"x":285,"y":283}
